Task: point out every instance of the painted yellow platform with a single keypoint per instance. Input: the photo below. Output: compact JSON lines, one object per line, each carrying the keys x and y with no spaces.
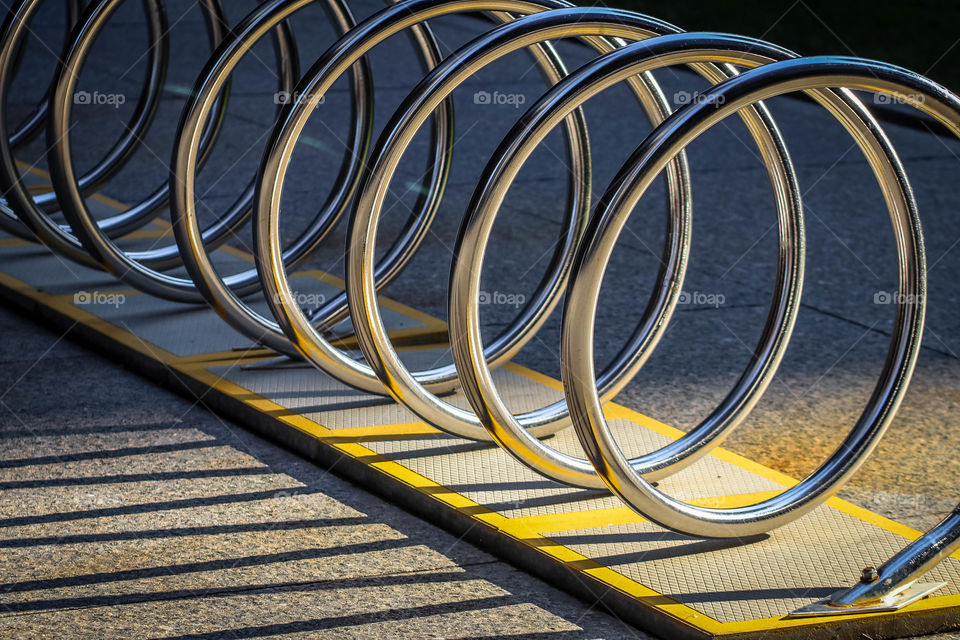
{"x":582,"y":541}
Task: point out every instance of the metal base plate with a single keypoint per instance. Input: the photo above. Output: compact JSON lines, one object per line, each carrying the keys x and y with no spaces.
{"x":894,"y":602}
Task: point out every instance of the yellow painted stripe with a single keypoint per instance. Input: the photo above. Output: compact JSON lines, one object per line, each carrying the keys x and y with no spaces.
{"x":597,"y":518}
{"x":28,"y":168}
{"x":220,"y":358}
{"x":451,"y":498}
{"x":149,"y":233}
{"x":410,"y":312}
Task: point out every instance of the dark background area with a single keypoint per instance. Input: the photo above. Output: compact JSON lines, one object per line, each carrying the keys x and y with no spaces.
{"x":923,"y":36}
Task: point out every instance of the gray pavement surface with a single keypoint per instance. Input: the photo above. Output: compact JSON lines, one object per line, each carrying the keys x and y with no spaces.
{"x":128,"y":511}
{"x":843,"y":330}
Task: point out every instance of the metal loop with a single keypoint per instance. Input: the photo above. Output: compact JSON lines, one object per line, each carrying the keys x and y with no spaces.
{"x":281,"y":297}
{"x":579,"y":312}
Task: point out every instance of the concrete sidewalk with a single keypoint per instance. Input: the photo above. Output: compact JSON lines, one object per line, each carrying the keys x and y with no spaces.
{"x":127,"y":511}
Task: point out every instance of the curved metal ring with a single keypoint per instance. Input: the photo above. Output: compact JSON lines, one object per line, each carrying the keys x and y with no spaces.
{"x":140,"y":269}
{"x":30,"y":127}
{"x":222,"y":293}
{"x":675,"y":134}
{"x":26,"y":216}
{"x":297,"y":326}
{"x":581,"y":255}
{"x":34,"y":213}
{"x":469,"y":353}
{"x":364,"y":38}
{"x":69,"y":190}
{"x":409,"y":388}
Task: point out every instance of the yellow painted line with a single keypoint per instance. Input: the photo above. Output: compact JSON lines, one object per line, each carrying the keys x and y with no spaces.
{"x":402,"y":309}
{"x":760,"y":625}
{"x":220,"y":358}
{"x":237,"y":253}
{"x":614,"y":410}
{"x":15,"y":242}
{"x":573,"y":520}
{"x":378,"y":433}
{"x":113,"y":292}
{"x":518,"y":528}
{"x":149,"y":233}
{"x":64,"y":304}
{"x":411,"y":338}
{"x":162,"y":223}
{"x":40,"y":173}
{"x":110,"y":202}
{"x":452,"y":499}
{"x":612,"y":516}
{"x":323,"y":276}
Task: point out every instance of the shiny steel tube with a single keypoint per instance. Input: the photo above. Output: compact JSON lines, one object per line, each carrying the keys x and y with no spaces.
{"x":905,"y":567}
{"x":581,"y":304}
{"x":141,"y":269}
{"x":32,"y":125}
{"x":36,"y":212}
{"x":69,"y":189}
{"x":471,"y":247}
{"x":280,"y":296}
{"x":372,"y":336}
{"x":469,"y":353}
{"x":25,"y":215}
{"x":222,"y":293}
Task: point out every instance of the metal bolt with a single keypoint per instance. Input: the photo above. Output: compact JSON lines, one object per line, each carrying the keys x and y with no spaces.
{"x":869,"y":574}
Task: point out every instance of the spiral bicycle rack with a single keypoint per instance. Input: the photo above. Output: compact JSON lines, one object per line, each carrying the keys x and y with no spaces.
{"x":743,"y":73}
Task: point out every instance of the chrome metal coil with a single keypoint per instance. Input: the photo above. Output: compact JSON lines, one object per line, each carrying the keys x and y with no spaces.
{"x":743,"y":72}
